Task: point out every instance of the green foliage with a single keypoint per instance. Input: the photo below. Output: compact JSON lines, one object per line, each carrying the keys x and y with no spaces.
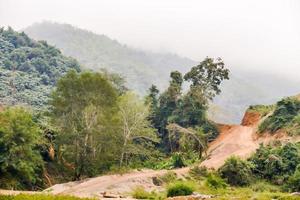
{"x":168,"y":177}
{"x":215,"y":181}
{"x":84,"y":108}
{"x":207,"y":77}
{"x":40,"y":197}
{"x":285,"y":115}
{"x":140,"y":193}
{"x":178,"y":160}
{"x":264,"y":186}
{"x":188,"y":110}
{"x":21,"y":164}
{"x":180,"y":189}
{"x":29,"y":69}
{"x":276,"y":163}
{"x":263,"y":110}
{"x":236,"y":171}
{"x":198,"y":173}
{"x":293,"y":183}
{"x":137,"y":135}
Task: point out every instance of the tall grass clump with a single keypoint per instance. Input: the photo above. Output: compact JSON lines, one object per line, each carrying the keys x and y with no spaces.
{"x":180,"y":189}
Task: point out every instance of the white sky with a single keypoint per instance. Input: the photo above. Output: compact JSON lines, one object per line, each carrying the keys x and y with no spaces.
{"x":260,"y":34}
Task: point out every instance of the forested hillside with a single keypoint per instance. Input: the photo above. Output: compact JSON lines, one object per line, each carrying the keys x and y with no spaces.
{"x":29,"y":69}
{"x":93,"y":124}
{"x":142,"y":68}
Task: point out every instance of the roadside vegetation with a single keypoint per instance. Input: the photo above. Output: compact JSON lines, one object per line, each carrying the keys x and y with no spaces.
{"x":286,"y":117}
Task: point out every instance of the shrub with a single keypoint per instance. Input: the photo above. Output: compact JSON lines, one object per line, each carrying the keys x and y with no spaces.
{"x":214,"y":181}
{"x":178,"y":160}
{"x":263,"y":110}
{"x":140,"y":193}
{"x":285,"y":112}
{"x":294,"y":181}
{"x":168,"y":177}
{"x":198,"y":173}
{"x":180,"y":189}
{"x":21,"y":164}
{"x":276,"y":163}
{"x":236,"y":171}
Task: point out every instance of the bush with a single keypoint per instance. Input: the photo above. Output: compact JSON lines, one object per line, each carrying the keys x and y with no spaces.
{"x":276,"y":163}
{"x":294,"y":181}
{"x":285,"y":112}
{"x":263,"y":110}
{"x":21,"y":164}
{"x":214,"y":181}
{"x":198,"y":173}
{"x":179,"y":189}
{"x":178,"y":160}
{"x":140,"y":193}
{"x":236,"y":171}
{"x":168,"y":177}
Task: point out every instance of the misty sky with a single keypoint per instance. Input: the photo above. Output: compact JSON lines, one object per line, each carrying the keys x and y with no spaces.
{"x":260,"y":34}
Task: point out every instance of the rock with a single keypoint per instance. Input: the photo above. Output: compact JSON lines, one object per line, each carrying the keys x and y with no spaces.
{"x":296,"y":194}
{"x":194,"y":196}
{"x":111,"y":195}
{"x":157,"y":181}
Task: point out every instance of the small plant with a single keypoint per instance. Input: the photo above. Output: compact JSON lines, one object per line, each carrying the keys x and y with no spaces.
{"x":263,"y":110}
{"x":236,"y":171}
{"x":168,"y":177}
{"x":294,"y":181}
{"x":198,"y":173}
{"x":180,"y":189}
{"x":178,"y":160}
{"x":140,"y":193}
{"x":214,"y":181}
{"x":286,"y":111}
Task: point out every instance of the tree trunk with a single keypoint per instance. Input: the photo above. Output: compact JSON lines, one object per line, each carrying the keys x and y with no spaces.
{"x":123,"y":152}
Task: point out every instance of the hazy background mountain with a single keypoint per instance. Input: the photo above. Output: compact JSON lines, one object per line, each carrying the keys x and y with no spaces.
{"x":142,"y":68}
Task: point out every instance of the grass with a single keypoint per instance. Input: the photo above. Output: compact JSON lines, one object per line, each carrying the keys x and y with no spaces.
{"x":244,"y":193}
{"x":180,"y":188}
{"x":168,"y":177}
{"x":263,"y":110}
{"x":140,"y":193}
{"x":40,"y":197}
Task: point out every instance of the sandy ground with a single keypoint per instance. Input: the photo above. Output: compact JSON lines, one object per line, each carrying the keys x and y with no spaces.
{"x":236,"y":140}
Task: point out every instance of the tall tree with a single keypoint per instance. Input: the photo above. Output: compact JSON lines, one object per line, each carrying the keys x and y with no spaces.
{"x":83,"y":107}
{"x":207,"y":77}
{"x":135,"y":125}
{"x":21,"y":164}
{"x":152,"y":101}
{"x":168,"y":101}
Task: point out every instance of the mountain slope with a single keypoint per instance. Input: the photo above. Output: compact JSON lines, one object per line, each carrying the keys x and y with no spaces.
{"x":93,"y":51}
{"x":142,"y":68}
{"x":29,"y":69}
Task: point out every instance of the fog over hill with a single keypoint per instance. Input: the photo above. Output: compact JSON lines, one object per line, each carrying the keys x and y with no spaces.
{"x":142,"y":68}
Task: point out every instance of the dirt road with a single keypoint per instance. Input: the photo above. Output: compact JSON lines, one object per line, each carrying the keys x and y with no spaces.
{"x":233,"y":140}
